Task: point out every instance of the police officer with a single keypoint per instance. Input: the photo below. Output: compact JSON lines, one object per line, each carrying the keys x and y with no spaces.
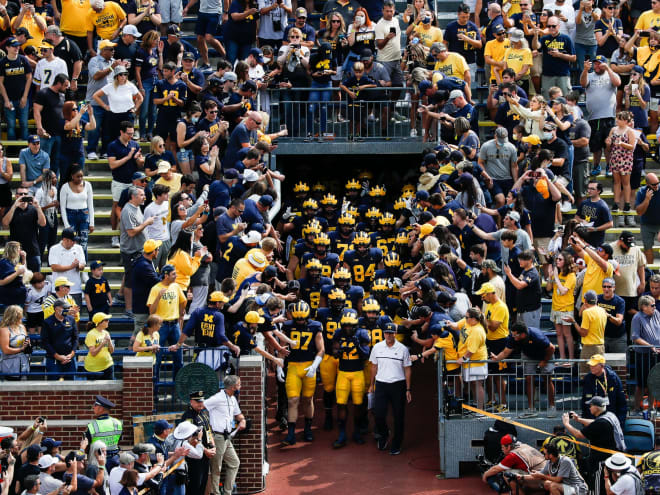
{"x":106,"y":428}
{"x":198,"y":469}
{"x":207,"y":325}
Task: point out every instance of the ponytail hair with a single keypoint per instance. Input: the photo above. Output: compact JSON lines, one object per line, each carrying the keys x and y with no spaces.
{"x":476,"y":313}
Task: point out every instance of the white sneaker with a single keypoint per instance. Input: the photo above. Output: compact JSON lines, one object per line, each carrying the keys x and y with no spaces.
{"x":136,"y":135}
{"x":92,"y":156}
{"x":566,"y":206}
{"x":413,"y":132}
{"x":630,"y":220}
{"x":552,"y":412}
{"x":618,"y":220}
{"x":115,"y":241}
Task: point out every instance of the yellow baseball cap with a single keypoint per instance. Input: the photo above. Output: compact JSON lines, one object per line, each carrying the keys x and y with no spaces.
{"x":151,"y":245}
{"x":486,"y":289}
{"x":596,"y":359}
{"x":99,"y":317}
{"x":218,"y":296}
{"x":106,"y":44}
{"x":425,"y":230}
{"x":253,"y":317}
{"x":61,"y":281}
{"x":532,"y":139}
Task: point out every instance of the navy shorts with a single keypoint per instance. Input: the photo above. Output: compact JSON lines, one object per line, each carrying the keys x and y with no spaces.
{"x":501,"y":186}
{"x":166,"y":128}
{"x":207,"y":24}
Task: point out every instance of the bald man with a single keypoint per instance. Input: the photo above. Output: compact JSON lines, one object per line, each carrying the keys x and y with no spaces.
{"x":647,"y":204}
{"x":243,"y":136}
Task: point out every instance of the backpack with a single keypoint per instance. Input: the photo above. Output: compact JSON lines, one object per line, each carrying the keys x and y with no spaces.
{"x":639,"y":485}
{"x":492,"y":437}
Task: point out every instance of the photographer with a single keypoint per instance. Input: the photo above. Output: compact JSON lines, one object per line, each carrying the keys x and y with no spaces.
{"x":7,"y":466}
{"x":519,"y":459}
{"x":603,"y":432}
{"x":559,"y":475}
{"x":294,"y":60}
{"x":24,"y":219}
{"x":621,"y":477}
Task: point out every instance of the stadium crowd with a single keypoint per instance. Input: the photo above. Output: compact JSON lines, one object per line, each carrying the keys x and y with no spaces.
{"x":351,"y":284}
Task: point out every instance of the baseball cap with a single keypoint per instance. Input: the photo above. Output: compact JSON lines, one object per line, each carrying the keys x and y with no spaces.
{"x":389,"y":328}
{"x":506,"y":440}
{"x":516,"y":35}
{"x":266,"y":200}
{"x":163,"y":167}
{"x":161,"y":425}
{"x":99,"y":317}
{"x":250,"y":175}
{"x":78,"y":455}
{"x":252,"y":237}
{"x":424,"y":85}
{"x":501,"y":134}
{"x":257,"y":54}
{"x":174,"y":29}
{"x":229,"y":76}
{"x":62,"y":281}
{"x":35,"y":449}
{"x":301,"y":12}
{"x":132,"y":30}
{"x":639,"y":69}
{"x":33,"y":138}
{"x":46,"y":45}
{"x":253,"y":317}
{"x":54,"y":30}
{"x":499,"y":28}
{"x":627,"y":237}
{"x":23,"y":31}
{"x":492,"y":265}
{"x":126,"y":458}
{"x":50,"y":443}
{"x":188,"y":56}
{"x":430,"y":159}
{"x":600,"y":59}
{"x":249,"y":85}
{"x":422,"y":195}
{"x":167,"y":269}
{"x":106,"y":44}
{"x":269,"y":272}
{"x":144,"y":448}
{"x":596,"y":359}
{"x":598,"y":401}
{"x":232,"y":173}
{"x":46,"y":461}
{"x":532,"y":139}
{"x":151,"y":245}
{"x":13,"y":42}
{"x":514,"y":215}
{"x":366,"y":54}
{"x":486,"y":288}
{"x":120,"y":69}
{"x":446,"y":297}
{"x":455,"y":93}
{"x":425,"y":230}
{"x":441,"y":47}
{"x":217,"y":296}
{"x":139,"y":176}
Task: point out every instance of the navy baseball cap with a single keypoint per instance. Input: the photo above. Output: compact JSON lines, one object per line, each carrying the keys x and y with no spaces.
{"x":269,"y":272}
{"x":174,"y":29}
{"x":424,"y":85}
{"x":249,"y":86}
{"x":600,"y":59}
{"x":430,"y":159}
{"x":33,"y":138}
{"x":422,"y":195}
{"x":50,"y":443}
{"x":13,"y":42}
{"x":232,"y":173}
{"x":96,"y":264}
{"x":23,"y":31}
{"x":161,"y":425}
{"x":188,"y":56}
{"x":167,"y":269}
{"x":257,"y":54}
{"x":139,"y":176}
{"x":266,"y":200}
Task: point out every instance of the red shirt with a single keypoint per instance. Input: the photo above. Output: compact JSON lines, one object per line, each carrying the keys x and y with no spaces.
{"x":512,"y":461}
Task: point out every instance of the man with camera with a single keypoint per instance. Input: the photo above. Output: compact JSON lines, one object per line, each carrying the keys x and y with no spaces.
{"x":559,"y":475}
{"x":647,"y":204}
{"x":621,"y":477}
{"x":519,"y":460}
{"x":603,"y":432}
{"x":24,"y":219}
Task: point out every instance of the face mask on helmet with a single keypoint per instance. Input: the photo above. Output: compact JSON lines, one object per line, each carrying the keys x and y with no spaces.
{"x":345,"y":229}
{"x":362,"y":249}
{"x":320,"y":248}
{"x":337,"y":305}
{"x":341,"y":283}
{"x":314,"y":273}
{"x":372,"y":315}
{"x":348,"y":329}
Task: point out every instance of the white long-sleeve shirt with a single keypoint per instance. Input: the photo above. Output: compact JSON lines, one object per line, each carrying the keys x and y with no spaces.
{"x":77,"y":201}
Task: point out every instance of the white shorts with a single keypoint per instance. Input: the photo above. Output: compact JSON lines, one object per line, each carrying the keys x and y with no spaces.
{"x":117,"y":188}
{"x":653,"y":104}
{"x":475,"y":373}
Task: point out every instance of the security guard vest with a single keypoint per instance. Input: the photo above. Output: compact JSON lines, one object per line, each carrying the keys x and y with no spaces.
{"x":107,"y":430}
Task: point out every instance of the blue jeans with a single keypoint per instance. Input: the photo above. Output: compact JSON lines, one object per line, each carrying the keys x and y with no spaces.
{"x":316,"y":96}
{"x":79,"y":222}
{"x":47,"y":238}
{"x":169,"y":487}
{"x":99,"y":132}
{"x":169,"y":335}
{"x":148,"y":109}
{"x":34,"y":263}
{"x":582,"y":50}
{"x":236,"y":50}
{"x":292,"y":111}
{"x":69,"y":158}
{"x":54,"y":366}
{"x":12,"y":115}
{"x":571,"y":155}
{"x":351,"y":58}
{"x":53,"y":146}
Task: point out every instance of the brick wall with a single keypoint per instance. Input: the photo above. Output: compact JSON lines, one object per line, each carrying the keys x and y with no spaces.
{"x":251,"y":447}
{"x":68,"y":404}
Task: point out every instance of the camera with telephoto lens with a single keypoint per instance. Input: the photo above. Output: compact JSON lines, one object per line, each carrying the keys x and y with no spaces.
{"x":510,"y":476}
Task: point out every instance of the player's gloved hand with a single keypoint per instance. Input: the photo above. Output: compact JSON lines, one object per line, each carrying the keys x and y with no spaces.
{"x":311,"y":370}
{"x":280,"y":374}
{"x":287,"y":214}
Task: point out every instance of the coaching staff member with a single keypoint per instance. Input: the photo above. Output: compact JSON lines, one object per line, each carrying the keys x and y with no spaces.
{"x":390,"y":379}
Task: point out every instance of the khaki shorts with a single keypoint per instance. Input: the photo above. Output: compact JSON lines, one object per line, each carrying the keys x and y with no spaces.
{"x":558,"y":317}
{"x":653,"y":104}
{"x":541,"y":243}
{"x":537,"y":66}
{"x":117,"y":188}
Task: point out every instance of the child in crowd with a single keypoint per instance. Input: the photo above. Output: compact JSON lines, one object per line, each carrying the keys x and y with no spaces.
{"x":97,"y":290}
{"x":353,"y":86}
{"x":37,"y":292}
{"x":147,"y":341}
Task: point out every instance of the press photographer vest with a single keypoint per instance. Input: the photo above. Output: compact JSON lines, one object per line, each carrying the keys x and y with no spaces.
{"x":532,"y":458}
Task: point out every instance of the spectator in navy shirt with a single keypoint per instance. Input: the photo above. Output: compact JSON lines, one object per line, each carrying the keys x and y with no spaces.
{"x":144,"y":278}
{"x":615,"y":306}
{"x":211,"y":123}
{"x":528,"y":289}
{"x":308,"y":32}
{"x":230,"y":223}
{"x":462,"y":36}
{"x":558,"y":54}
{"x":243,"y":136}
{"x":595,"y":213}
{"x":537,"y":351}
{"x":647,"y":204}
{"x":220,"y":191}
{"x":59,"y":337}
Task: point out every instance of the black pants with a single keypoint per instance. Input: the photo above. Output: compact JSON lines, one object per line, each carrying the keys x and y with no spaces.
{"x":198,"y":474}
{"x":393,"y":394}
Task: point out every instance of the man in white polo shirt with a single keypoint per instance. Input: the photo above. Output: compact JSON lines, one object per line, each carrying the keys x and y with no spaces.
{"x":390,"y":380}
{"x":67,"y":259}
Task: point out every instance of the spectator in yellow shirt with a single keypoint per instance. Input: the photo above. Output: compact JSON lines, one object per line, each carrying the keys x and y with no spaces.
{"x":450,"y":63}
{"x":73,"y":20}
{"x":107,"y":19}
{"x":562,"y":284}
{"x":649,"y":20}
{"x":147,"y":341}
{"x":426,"y":32}
{"x":253,"y":262}
{"x":100,"y":347}
{"x":597,"y":261}
{"x":168,"y":176}
{"x":592,"y":328}
{"x":33,"y":22}
{"x":182,"y":258}
{"x":494,"y":53}
{"x":519,"y":58}
{"x":167,"y":300}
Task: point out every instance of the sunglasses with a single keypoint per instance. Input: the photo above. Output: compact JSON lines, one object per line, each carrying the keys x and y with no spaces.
{"x":552,"y":25}
{"x":607,"y":287}
{"x":212,"y":111}
{"x":335,"y":20}
{"x":655,"y":184}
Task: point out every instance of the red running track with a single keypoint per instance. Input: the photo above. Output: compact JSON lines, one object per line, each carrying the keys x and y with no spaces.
{"x":316,"y":468}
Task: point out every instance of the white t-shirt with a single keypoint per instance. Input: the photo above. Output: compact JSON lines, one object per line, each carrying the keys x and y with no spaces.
{"x":45,"y":71}
{"x":35,"y":298}
{"x":160,"y":229}
{"x":57,"y":255}
{"x":625,"y":485}
{"x":120,"y":99}
{"x":115,"y":477}
{"x":392,"y":50}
